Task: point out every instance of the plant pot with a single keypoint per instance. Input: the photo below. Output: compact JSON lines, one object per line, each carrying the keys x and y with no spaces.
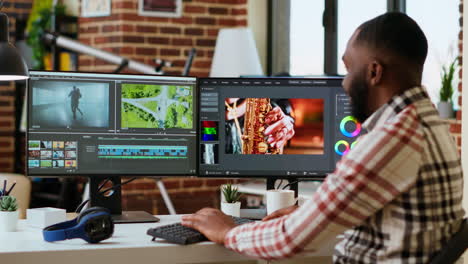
{"x":232,"y":209}
{"x":8,"y":221}
{"x":445,"y":109}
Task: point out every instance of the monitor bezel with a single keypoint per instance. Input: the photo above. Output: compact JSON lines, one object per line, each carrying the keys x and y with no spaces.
{"x":105,"y":175}
{"x":316,"y":177}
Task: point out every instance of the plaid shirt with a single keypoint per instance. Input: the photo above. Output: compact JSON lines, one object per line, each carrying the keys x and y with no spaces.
{"x":398,"y":192}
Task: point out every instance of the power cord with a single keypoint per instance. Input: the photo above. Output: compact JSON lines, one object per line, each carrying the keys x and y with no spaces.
{"x":83,"y":204}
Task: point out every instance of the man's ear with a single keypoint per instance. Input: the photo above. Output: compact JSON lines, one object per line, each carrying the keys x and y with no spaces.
{"x":375,"y":73}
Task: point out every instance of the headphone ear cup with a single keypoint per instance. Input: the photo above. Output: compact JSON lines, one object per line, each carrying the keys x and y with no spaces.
{"x":90,"y":211}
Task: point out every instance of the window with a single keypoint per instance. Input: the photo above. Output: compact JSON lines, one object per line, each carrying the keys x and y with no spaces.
{"x":439,"y":21}
{"x":306,"y":38}
{"x":352,"y":14}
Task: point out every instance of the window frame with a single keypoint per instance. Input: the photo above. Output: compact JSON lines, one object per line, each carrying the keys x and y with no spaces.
{"x":279,"y":61}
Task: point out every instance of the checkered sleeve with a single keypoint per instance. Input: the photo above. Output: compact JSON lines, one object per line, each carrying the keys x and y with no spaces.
{"x":383,"y":164}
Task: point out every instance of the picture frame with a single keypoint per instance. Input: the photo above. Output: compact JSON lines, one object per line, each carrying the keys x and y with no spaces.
{"x":96,"y":8}
{"x":160,"y":8}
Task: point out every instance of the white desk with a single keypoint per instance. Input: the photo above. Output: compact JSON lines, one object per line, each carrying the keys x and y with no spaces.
{"x":130,"y":245}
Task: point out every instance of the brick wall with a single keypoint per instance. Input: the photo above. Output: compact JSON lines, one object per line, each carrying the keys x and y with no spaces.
{"x":145,"y":39}
{"x":18,"y":9}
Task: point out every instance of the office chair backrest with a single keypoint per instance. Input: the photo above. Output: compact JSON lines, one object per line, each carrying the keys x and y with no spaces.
{"x":454,"y":248}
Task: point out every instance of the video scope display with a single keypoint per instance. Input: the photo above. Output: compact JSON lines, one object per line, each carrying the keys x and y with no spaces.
{"x":111,"y":124}
{"x":274,"y":127}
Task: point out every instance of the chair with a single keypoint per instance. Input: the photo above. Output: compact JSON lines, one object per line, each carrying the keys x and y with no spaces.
{"x":454,"y":248}
{"x":22,"y":190}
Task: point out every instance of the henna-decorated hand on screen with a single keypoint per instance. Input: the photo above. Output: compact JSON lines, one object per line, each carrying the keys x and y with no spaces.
{"x":280,"y":128}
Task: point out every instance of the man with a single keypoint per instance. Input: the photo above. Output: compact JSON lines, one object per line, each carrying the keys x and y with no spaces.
{"x":398,"y":192}
{"x":75,"y":95}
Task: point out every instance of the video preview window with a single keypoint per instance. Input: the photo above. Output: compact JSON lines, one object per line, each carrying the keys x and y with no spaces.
{"x":156,"y":106}
{"x":269,"y":126}
{"x":70,"y":104}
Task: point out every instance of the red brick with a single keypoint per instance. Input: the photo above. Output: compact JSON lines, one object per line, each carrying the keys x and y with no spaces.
{"x":146,"y":51}
{"x":232,"y":1}
{"x":5,"y":144}
{"x":239,"y":11}
{"x":170,"y":30}
{"x":207,"y":1}
{"x":6,"y":113}
{"x":194,"y":9}
{"x":170,"y":52}
{"x":182,"y":42}
{"x":182,"y":20}
{"x":6,"y":166}
{"x":126,"y":28}
{"x":216,"y":182}
{"x":242,"y":23}
{"x":133,"y":39}
{"x":202,"y":64}
{"x":130,"y":17}
{"x":108,"y":28}
{"x":218,"y":10}
{"x":89,"y":30}
{"x":158,"y":40}
{"x":206,"y":42}
{"x":193,"y":183}
{"x":212,"y":32}
{"x":171,"y":184}
{"x":227,"y":22}
{"x":125,"y":5}
{"x":455,"y":128}
{"x":146,"y":29}
{"x":205,"y":21}
{"x":157,"y":19}
{"x":200,"y":74}
{"x":459,"y":115}
{"x":193,"y":31}
{"x":6,"y":124}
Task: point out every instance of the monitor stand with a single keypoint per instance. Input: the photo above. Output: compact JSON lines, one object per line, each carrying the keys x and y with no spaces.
{"x":113,"y":202}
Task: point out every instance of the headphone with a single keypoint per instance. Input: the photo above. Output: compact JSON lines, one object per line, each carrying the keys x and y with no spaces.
{"x":92,"y":225}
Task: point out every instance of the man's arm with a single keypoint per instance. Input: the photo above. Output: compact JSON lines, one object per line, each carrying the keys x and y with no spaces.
{"x":382,"y":165}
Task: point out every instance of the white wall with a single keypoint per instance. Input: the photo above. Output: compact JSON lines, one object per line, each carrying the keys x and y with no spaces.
{"x":257,"y":21}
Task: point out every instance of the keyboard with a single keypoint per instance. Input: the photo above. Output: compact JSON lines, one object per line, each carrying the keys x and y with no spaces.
{"x":179,"y":234}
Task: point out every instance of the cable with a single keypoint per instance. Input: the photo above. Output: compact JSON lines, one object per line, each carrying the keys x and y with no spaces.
{"x":291,"y":183}
{"x":83,"y":204}
{"x":279,"y":185}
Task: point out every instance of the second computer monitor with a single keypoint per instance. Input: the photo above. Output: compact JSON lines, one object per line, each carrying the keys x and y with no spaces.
{"x":274,"y":127}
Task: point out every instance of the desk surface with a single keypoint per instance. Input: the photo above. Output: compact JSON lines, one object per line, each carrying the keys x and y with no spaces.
{"x":130,"y":244}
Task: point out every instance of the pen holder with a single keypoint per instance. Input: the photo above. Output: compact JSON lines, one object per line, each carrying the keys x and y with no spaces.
{"x":8,"y":221}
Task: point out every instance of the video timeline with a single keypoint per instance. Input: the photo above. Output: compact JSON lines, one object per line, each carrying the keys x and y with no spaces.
{"x":141,"y":152}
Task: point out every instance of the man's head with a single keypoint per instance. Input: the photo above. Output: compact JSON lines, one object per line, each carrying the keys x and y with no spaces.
{"x":384,"y":57}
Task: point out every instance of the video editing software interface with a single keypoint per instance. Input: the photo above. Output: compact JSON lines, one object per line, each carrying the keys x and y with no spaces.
{"x":111,"y":124}
{"x":274,"y":127}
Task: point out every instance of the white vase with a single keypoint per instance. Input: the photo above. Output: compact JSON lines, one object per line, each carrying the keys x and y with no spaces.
{"x":8,"y":221}
{"x":232,"y":209}
{"x":445,"y":109}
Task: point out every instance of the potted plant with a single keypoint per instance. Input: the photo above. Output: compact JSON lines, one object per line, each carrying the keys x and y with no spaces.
{"x":231,"y":203}
{"x":445,"y":106}
{"x":8,"y":213}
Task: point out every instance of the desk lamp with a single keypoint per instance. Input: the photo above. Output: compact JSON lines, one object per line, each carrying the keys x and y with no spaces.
{"x":12,"y":65}
{"x":235,"y":54}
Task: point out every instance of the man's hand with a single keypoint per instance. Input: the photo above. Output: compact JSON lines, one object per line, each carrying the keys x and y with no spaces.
{"x":210,"y":222}
{"x":280,"y":128}
{"x":281,"y":212}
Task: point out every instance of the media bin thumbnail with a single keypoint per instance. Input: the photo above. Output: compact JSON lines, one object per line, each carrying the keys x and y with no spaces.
{"x":274,"y":126}
{"x":59,"y":104}
{"x":156,"y":106}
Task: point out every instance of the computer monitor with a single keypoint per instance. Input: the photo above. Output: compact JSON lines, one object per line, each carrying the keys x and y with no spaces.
{"x":240,"y":119}
{"x":106,"y":125}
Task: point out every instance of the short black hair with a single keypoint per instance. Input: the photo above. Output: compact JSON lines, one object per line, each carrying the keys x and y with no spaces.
{"x":397,"y":34}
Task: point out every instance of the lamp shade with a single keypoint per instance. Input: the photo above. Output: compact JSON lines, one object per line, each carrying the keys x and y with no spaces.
{"x":12,"y":65}
{"x":235,"y":54}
